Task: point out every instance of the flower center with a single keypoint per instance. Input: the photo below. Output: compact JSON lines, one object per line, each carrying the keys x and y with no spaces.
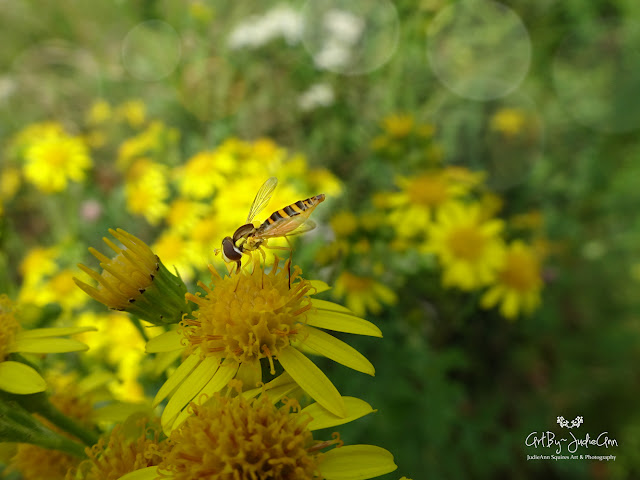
{"x":9,"y":326}
{"x":428,"y":190}
{"x":466,"y":243}
{"x":55,"y":153}
{"x":250,"y":315}
{"x":121,"y":454}
{"x":521,"y":272}
{"x":234,"y":438}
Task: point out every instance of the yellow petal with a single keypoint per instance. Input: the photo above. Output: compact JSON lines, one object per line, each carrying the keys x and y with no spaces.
{"x":16,"y":377}
{"x":47,"y":345}
{"x":312,"y":380}
{"x":319,"y":285}
{"x":220,"y":379}
{"x":165,"y":342}
{"x":336,"y":350}
{"x":356,"y":462}
{"x":189,"y":388}
{"x":341,"y":322}
{"x":118,"y":412}
{"x":250,"y":374}
{"x":323,"y":418}
{"x":148,"y":473}
{"x":283,"y":380}
{"x":166,"y":359}
{"x":53,"y":332}
{"x":176,"y":378}
{"x":334,"y":307}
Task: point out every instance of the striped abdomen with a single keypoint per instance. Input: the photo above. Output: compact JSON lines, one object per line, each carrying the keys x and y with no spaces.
{"x":293,"y":215}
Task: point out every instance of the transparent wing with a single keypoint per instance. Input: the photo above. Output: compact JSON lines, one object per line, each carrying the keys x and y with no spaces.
{"x":262,"y":197}
{"x":289,"y":226}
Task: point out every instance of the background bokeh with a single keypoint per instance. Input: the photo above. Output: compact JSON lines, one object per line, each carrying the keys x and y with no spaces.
{"x":164,"y":117}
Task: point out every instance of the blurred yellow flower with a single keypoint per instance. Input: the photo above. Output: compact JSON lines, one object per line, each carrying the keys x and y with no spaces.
{"x":204,"y":173}
{"x":398,"y":125}
{"x":99,"y":112}
{"x":343,"y":223}
{"x":134,"y":112}
{"x":508,"y":121}
{"x":468,"y":246}
{"x":256,"y":315}
{"x":53,"y":160}
{"x":9,"y":183}
{"x":146,"y":190}
{"x":518,"y":282}
{"x":363,"y":294}
{"x":155,"y":138}
{"x":420,"y":198}
{"x":17,"y":377}
{"x":60,"y":289}
{"x":38,"y":263}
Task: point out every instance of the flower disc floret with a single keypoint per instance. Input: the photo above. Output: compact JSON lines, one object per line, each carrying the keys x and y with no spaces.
{"x":239,"y":439}
{"x":248,"y":317}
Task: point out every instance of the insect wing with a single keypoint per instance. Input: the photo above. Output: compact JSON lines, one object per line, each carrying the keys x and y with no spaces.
{"x":289,"y":226}
{"x":262,"y":197}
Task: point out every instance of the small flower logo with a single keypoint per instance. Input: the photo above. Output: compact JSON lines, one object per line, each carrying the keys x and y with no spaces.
{"x":576,"y":422}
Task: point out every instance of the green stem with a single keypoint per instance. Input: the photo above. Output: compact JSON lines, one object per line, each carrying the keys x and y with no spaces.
{"x":39,"y":403}
{"x":141,"y":329}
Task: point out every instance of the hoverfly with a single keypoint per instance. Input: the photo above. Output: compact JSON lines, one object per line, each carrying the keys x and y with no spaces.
{"x":290,"y":220}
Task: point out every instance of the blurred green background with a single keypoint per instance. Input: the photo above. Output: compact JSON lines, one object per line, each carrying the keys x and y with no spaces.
{"x":541,"y":97}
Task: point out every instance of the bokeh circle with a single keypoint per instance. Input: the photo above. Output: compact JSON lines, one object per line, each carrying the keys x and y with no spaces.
{"x":350,"y":37}
{"x":479,"y":50}
{"x":503,"y":137}
{"x":51,"y":80}
{"x":596,"y":73}
{"x":151,"y":50}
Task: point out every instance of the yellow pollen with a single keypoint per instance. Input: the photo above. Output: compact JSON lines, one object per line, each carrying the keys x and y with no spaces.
{"x":239,"y":439}
{"x":120,"y":454}
{"x":248,"y":316}
{"x":521,"y":271}
{"x":428,"y":190}
{"x":9,"y":326}
{"x":466,"y":243}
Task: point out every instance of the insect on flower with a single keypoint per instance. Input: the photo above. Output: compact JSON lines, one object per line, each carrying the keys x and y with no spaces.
{"x":290,"y":220}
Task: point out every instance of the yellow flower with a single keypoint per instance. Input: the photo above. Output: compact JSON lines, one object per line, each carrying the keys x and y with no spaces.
{"x":99,"y":113}
{"x":146,"y":190}
{"x":9,"y":183}
{"x":518,"y":283}
{"x":184,"y":214}
{"x":508,"y":121}
{"x":75,"y":399}
{"x":469,"y":247}
{"x":398,"y":125}
{"x":176,"y":251}
{"x":38,"y":263}
{"x":134,"y":112}
{"x":53,"y":160}
{"x":204,"y":173}
{"x":136,"y":281}
{"x":419,"y":199}
{"x":121,"y":347}
{"x":256,"y":315}
{"x":154,"y":139}
{"x":363,"y":294}
{"x":344,"y":223}
{"x":128,"y":448}
{"x":17,"y":377}
{"x":251,"y":439}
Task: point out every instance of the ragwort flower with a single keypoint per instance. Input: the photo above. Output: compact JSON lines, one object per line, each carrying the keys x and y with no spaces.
{"x":251,"y":439}
{"x":254,"y":315}
{"x":54,"y":159}
{"x":136,"y":281}
{"x":17,"y":377}
{"x":468,"y":246}
{"x":518,"y":283}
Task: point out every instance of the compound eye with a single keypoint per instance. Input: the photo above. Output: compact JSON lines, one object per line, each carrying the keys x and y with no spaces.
{"x":229,"y":251}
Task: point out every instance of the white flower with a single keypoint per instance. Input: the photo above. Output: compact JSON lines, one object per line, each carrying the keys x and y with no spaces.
{"x":318,"y":95}
{"x":256,"y":31}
